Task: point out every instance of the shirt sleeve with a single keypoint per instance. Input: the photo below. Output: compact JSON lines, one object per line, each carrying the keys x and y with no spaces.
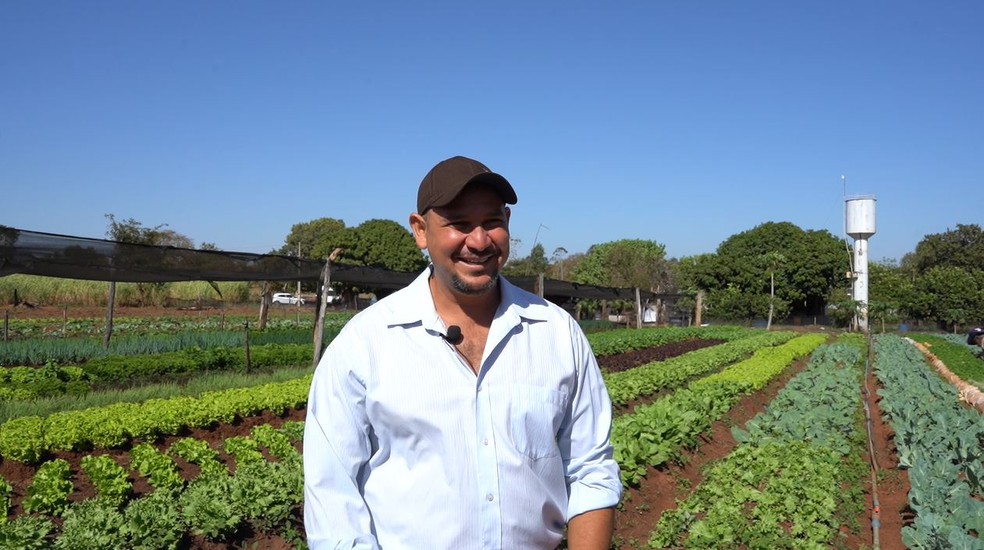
{"x":585,"y":440}
{"x":336,"y":450}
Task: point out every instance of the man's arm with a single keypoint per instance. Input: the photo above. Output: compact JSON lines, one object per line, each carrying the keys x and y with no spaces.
{"x":336,"y":448}
{"x":591,"y":530}
{"x":594,"y":484}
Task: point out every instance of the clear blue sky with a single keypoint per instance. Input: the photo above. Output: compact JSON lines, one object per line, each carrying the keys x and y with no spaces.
{"x":679,"y":121}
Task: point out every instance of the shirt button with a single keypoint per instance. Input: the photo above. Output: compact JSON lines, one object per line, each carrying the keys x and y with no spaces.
{"x":480,"y":388}
{"x":485,"y":442}
{"x":489,"y":497}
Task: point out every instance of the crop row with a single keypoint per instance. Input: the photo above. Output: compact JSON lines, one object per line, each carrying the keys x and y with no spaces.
{"x":782,"y":486}
{"x":65,"y":351}
{"x":19,"y":383}
{"x":647,"y":379}
{"x":958,"y":357}
{"x":613,"y":342}
{"x":939,"y":442}
{"x":30,"y":438}
{"x":656,"y":433}
{"x":94,"y":327}
{"x":262,"y":494}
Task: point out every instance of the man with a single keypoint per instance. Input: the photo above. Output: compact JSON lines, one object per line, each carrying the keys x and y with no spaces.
{"x":460,"y":412}
{"x":976,"y":337}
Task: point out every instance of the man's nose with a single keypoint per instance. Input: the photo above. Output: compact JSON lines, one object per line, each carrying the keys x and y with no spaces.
{"x":478,"y":239}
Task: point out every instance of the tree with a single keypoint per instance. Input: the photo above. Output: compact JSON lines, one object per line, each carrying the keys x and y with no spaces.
{"x":627,"y":263}
{"x":132,"y":231}
{"x":815,"y":263}
{"x":317,"y":238}
{"x":962,"y":247}
{"x":890,"y":292}
{"x":557,"y":263}
{"x":532,"y":265}
{"x":385,"y":244}
{"x":950,"y":295}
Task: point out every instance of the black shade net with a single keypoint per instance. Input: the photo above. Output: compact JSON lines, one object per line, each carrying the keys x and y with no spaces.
{"x":62,"y":256}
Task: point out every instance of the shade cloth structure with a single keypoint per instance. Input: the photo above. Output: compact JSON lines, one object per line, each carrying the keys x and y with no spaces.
{"x":63,"y":256}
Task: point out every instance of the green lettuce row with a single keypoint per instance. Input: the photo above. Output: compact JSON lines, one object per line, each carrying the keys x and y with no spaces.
{"x":656,"y":433}
{"x":939,"y":442}
{"x":778,"y":495}
{"x":28,"y":439}
{"x":782,"y":486}
{"x":261,"y":495}
{"x":622,"y":340}
{"x":644,"y":380}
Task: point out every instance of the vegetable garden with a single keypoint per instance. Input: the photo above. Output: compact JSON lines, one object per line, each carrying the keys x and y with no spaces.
{"x":727,"y":437}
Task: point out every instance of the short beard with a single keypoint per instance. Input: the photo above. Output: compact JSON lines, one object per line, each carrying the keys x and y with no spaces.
{"x":461,"y":287}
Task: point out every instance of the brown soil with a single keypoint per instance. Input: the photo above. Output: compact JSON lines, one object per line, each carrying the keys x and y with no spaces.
{"x":643,"y":505}
{"x":635,"y":358}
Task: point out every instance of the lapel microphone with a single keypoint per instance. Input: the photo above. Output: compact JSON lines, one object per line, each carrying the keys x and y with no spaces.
{"x":453,"y":336}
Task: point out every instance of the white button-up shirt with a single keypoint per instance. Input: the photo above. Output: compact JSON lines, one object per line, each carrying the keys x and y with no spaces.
{"x":405,"y":447}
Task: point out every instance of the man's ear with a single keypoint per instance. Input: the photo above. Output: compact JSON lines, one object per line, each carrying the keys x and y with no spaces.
{"x":418,"y":226}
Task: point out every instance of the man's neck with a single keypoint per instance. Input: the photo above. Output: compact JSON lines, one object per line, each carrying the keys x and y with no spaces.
{"x":456,"y":307}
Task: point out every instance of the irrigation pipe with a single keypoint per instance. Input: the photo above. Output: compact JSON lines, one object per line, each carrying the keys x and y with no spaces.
{"x":876,"y":506}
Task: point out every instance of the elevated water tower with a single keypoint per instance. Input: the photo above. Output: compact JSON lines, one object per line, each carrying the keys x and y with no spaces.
{"x":859,"y":222}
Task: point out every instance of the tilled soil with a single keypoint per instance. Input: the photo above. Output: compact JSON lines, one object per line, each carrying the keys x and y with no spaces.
{"x":635,"y":358}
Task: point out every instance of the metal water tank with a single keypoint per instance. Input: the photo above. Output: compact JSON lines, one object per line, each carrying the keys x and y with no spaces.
{"x":859,"y":216}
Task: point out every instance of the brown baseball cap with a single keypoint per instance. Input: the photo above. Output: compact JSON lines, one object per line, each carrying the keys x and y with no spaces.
{"x":449,"y":177}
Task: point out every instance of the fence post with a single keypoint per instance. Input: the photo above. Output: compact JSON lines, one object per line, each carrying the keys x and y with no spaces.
{"x":6,"y":323}
{"x":65,"y":321}
{"x":246,"y":341}
{"x":109,"y":314}
{"x":319,"y":320}
{"x":638,"y":308}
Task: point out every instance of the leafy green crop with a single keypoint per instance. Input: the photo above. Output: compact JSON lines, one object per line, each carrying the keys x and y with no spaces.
{"x":48,"y":492}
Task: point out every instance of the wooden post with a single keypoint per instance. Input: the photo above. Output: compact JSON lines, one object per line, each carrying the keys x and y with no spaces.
{"x":638,"y":308}
{"x":6,"y":324}
{"x":539,"y":285}
{"x":246,"y":341}
{"x":264,"y":304}
{"x":319,"y":320}
{"x":64,"y":321}
{"x":109,"y":314}
{"x":699,"y":308}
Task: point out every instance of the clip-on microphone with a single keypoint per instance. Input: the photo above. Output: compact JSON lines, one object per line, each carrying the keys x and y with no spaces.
{"x":453,"y":336}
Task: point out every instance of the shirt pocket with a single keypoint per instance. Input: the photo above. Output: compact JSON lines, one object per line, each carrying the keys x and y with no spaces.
{"x":535,"y":420}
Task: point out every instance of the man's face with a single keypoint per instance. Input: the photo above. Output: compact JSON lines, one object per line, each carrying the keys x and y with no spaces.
{"x":467,"y":239}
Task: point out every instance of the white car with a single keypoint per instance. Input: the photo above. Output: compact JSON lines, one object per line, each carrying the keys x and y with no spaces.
{"x":287,"y":298}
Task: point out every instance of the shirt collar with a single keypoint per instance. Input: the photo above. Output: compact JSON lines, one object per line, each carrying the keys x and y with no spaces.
{"x":415,"y":305}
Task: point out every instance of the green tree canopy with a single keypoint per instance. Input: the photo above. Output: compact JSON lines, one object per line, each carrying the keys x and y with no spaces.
{"x":627,"y":263}
{"x":815,"y":263}
{"x":374,"y":243}
{"x":950,"y":295}
{"x":385,"y":244}
{"x":317,"y":238}
{"x":534,"y":264}
{"x":132,"y":231}
{"x":962,"y":247}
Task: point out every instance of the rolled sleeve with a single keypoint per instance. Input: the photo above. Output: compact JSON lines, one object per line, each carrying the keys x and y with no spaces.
{"x":592,"y":474}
